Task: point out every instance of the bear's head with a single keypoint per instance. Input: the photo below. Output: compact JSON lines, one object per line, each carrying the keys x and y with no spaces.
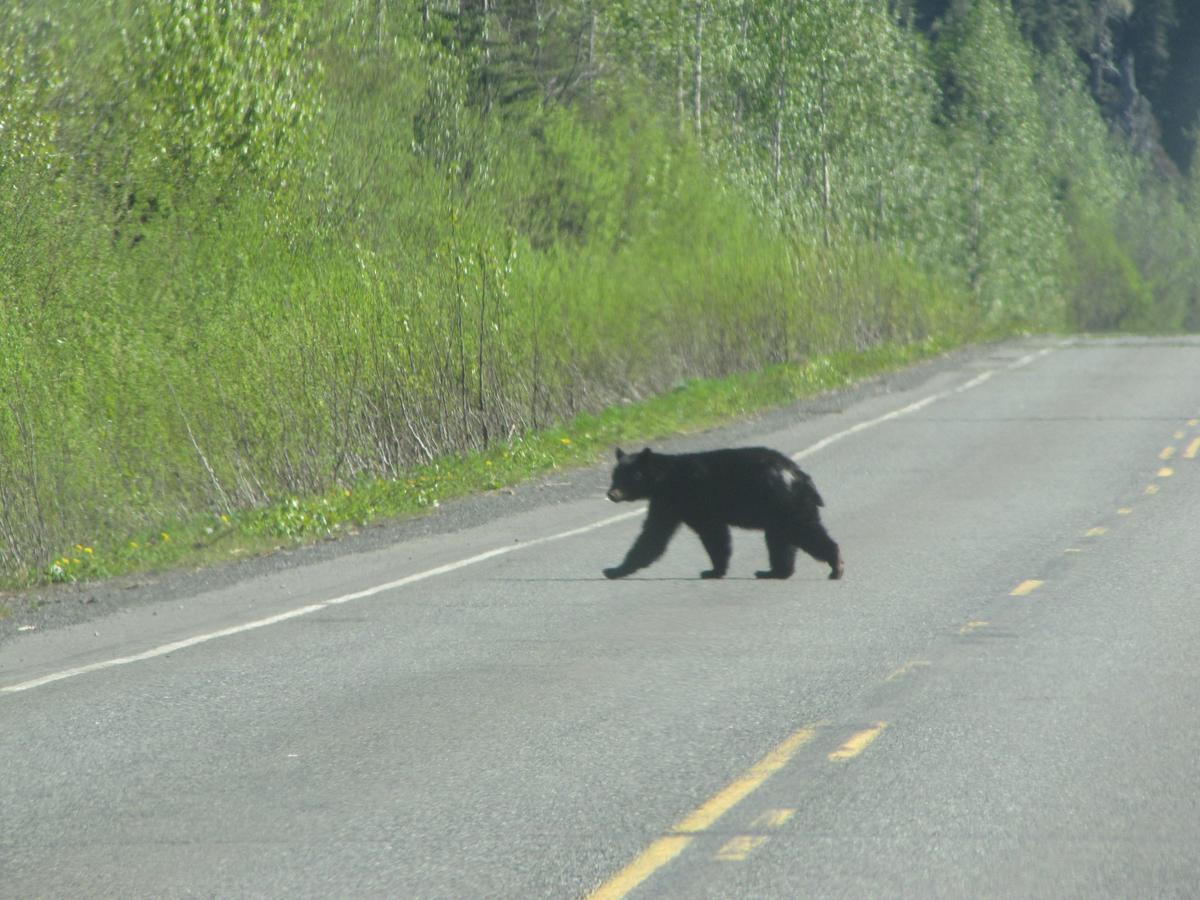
{"x":635,"y":475}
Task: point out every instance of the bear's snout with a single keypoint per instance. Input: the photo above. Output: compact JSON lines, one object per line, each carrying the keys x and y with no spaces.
{"x":616,"y":495}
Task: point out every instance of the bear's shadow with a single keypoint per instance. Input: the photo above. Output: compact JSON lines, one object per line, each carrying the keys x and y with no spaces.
{"x":680,"y":578}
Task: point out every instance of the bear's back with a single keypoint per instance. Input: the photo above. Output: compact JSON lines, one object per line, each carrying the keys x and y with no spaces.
{"x":744,"y":486}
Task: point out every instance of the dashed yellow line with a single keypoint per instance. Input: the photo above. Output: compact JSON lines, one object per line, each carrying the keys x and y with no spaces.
{"x":858,"y":743}
{"x":1192,"y":449}
{"x":1166,"y":472}
{"x":1124,"y":510}
{"x":737,"y":790}
{"x":1096,"y":532}
{"x":739,"y":847}
{"x":669,"y":846}
{"x":973,"y":625}
{"x":1152,"y":489}
{"x":773,"y":818}
{"x":1167,"y":453}
{"x":906,"y":668}
{"x":1025,"y":588}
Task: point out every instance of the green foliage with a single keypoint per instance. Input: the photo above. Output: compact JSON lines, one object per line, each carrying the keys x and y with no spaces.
{"x":29,"y":77}
{"x":270,"y":270}
{"x":1010,"y":226}
{"x":1164,"y":243}
{"x":1104,"y":287}
{"x":217,"y":86}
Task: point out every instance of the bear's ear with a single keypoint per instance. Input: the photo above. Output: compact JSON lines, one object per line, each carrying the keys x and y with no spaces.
{"x":620,"y":454}
{"x":645,"y":454}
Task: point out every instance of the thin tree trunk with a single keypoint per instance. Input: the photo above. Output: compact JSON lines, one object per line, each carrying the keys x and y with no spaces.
{"x":679,"y":90}
{"x":699,"y":68}
{"x":780,"y":98}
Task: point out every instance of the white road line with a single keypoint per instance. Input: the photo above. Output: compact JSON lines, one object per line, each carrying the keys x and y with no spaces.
{"x":870,"y":423}
{"x":164,"y":649}
{"x":975,"y":382}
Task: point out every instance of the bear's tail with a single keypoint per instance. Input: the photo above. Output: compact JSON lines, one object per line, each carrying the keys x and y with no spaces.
{"x":806,"y":484}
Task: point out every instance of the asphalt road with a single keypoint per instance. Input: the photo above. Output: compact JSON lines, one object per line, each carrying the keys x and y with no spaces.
{"x":1001,"y":698}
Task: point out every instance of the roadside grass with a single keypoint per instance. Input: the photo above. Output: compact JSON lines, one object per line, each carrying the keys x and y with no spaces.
{"x":694,"y":405}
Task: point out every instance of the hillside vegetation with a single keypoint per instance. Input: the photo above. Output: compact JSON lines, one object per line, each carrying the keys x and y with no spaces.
{"x":257,"y":251}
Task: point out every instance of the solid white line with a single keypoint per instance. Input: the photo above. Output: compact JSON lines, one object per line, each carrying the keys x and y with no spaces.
{"x":870,"y":423}
{"x":164,"y":649}
{"x":1030,"y":357}
{"x":975,"y":382}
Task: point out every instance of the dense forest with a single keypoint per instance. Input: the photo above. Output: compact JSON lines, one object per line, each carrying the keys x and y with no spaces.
{"x":255,"y":250}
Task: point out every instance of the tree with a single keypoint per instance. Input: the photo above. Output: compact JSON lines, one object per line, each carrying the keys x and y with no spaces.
{"x":1009,"y":221}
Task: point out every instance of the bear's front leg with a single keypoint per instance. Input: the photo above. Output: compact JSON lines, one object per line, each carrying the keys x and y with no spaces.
{"x":656,"y":533}
{"x":719,"y":543}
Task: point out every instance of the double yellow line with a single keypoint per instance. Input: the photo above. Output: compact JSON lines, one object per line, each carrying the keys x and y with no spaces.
{"x":669,"y":846}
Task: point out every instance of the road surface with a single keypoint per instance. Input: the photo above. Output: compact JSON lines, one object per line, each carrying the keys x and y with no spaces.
{"x":1001,"y":698}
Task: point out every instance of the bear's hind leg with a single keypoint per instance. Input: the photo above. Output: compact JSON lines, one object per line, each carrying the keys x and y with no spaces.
{"x":719,"y":544}
{"x":781,"y":553}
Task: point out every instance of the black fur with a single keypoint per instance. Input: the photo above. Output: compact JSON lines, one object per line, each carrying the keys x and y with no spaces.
{"x":749,"y":487}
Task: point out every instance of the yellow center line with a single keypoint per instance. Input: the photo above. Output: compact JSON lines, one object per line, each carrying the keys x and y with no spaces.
{"x":1152,"y":489}
{"x":858,"y":743}
{"x":1166,"y":472}
{"x":1167,"y":453}
{"x":973,"y":625}
{"x":650,"y":861}
{"x":1025,"y":588}
{"x":773,"y":818}
{"x":1192,"y":449}
{"x":738,"y":848}
{"x":740,"y":788}
{"x":741,"y":846}
{"x":1097,"y":531}
{"x":1194,"y":422}
{"x":1124,"y":510}
{"x":906,"y":668}
{"x":666,"y":848}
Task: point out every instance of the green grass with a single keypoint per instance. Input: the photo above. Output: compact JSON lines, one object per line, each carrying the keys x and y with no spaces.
{"x":694,"y":405}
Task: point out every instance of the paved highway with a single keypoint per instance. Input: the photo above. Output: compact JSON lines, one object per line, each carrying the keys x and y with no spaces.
{"x":1001,"y":698}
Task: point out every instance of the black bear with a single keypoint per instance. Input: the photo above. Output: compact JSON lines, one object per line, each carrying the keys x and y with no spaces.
{"x":750,"y":487}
